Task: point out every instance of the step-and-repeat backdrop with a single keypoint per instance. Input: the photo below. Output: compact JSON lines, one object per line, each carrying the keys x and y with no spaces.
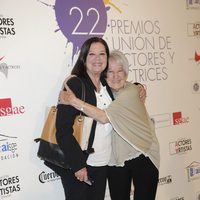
{"x":39,"y":43}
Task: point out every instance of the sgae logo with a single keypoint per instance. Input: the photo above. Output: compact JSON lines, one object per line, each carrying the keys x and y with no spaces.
{"x":178,"y":119}
{"x":6,"y":108}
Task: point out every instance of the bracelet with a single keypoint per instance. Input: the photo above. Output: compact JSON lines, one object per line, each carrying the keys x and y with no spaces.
{"x":82,"y":107}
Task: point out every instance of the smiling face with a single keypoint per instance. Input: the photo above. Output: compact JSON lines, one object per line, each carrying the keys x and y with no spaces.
{"x":96,"y":59}
{"x":116,"y":75}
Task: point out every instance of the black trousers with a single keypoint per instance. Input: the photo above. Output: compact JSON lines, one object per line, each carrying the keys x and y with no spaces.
{"x":76,"y":190}
{"x":141,"y":171}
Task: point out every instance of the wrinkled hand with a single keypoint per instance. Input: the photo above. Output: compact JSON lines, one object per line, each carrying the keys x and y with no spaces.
{"x":82,"y":174}
{"x":142,"y":93}
{"x":66,"y":97}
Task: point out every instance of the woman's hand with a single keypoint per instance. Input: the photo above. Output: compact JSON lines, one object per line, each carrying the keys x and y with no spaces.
{"x":66,"y":97}
{"x":142,"y":92}
{"x":82,"y":174}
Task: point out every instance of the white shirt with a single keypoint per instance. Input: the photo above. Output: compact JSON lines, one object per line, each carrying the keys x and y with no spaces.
{"x":102,"y":140}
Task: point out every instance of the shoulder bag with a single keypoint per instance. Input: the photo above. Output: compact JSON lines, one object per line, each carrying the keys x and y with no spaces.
{"x":49,"y":149}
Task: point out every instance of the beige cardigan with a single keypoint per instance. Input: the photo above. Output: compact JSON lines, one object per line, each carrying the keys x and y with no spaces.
{"x":133,"y":129}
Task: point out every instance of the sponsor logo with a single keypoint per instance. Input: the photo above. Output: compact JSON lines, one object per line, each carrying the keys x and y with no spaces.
{"x":9,"y":185}
{"x":45,"y":177}
{"x":197,"y":57}
{"x":178,"y":119}
{"x":196,"y":86}
{"x":180,"y":146}
{"x":198,"y":196}
{"x":193,"y":4}
{"x":165,"y":180}
{"x":8,"y":147}
{"x":6,"y":108}
{"x":177,"y":198}
{"x":7,"y":26}
{"x":193,"y":29}
{"x":4,"y":67}
{"x":193,"y":171}
{"x":162,"y":120}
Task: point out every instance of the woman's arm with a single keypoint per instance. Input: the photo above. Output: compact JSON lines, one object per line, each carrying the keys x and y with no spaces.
{"x":68,"y":98}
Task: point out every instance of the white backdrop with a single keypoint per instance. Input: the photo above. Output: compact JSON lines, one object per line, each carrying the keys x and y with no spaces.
{"x":160,"y":38}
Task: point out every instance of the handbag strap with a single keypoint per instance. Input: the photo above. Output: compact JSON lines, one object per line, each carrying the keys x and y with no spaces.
{"x":92,"y":132}
{"x":83,"y":90}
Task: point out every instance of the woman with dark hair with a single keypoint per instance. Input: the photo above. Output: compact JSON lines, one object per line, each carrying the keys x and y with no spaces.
{"x":91,"y":63}
{"x":89,"y":165}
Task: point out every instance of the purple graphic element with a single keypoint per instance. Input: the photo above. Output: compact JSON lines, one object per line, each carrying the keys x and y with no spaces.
{"x":81,"y":19}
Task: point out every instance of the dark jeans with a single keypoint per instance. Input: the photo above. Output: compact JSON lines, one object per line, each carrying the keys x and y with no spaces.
{"x":76,"y":190}
{"x":141,"y":171}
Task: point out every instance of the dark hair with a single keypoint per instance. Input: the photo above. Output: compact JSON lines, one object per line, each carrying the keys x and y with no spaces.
{"x":79,"y":68}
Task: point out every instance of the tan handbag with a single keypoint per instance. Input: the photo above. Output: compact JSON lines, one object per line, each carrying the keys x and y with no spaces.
{"x":49,"y":149}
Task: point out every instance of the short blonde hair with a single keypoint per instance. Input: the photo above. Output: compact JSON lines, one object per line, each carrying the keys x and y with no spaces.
{"x":121,"y":60}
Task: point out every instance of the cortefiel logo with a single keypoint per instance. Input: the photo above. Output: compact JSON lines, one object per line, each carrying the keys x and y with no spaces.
{"x":178,"y":119}
{"x":45,"y":177}
{"x":6,"y":108}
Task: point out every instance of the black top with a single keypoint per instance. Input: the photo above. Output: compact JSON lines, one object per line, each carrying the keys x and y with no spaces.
{"x":65,"y":119}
